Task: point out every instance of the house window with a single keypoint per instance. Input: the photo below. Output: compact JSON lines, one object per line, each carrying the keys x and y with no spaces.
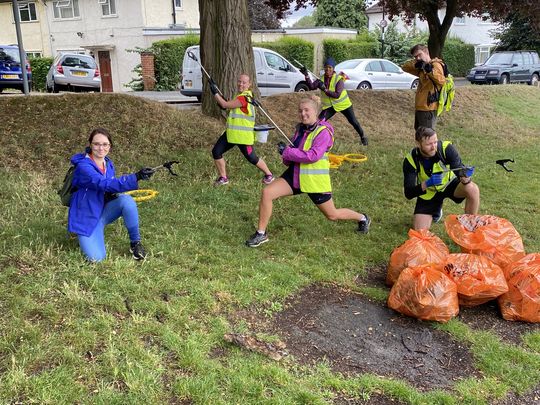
{"x":27,"y":11}
{"x":482,"y":53}
{"x":33,"y":55}
{"x":178,"y":3}
{"x":108,"y":7}
{"x":65,"y":9}
{"x":459,"y":20}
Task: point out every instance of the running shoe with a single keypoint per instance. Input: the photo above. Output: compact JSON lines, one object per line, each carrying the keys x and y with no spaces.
{"x":257,"y":239}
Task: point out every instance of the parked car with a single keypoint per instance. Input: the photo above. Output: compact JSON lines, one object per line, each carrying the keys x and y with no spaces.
{"x":275,"y":74}
{"x":73,"y":71}
{"x":507,"y":67}
{"x":10,"y":69}
{"x":368,"y":74}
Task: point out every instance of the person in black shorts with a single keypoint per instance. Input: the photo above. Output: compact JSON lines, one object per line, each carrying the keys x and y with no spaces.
{"x":308,"y":172}
{"x":429,"y":177}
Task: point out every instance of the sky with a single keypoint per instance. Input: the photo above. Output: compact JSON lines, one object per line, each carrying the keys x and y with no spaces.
{"x":296,"y":15}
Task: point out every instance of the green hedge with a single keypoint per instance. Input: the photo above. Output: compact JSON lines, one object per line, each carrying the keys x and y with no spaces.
{"x":342,"y":50}
{"x":40,"y":67}
{"x":459,"y":57}
{"x":169,"y":55}
{"x":292,"y":48}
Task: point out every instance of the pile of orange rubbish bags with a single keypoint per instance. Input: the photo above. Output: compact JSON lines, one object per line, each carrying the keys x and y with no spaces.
{"x":430,"y":283}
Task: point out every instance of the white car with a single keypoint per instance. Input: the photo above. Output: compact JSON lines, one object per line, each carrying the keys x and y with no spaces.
{"x":275,"y":74}
{"x":368,"y":74}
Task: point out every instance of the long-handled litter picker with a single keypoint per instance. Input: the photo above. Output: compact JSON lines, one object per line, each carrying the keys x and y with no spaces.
{"x":192,"y":56}
{"x":304,"y":66}
{"x":501,"y":162}
{"x":168,"y":166}
{"x":258,"y":104}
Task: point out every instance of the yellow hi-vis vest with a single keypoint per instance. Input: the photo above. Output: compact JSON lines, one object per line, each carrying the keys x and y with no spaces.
{"x":315,"y":177}
{"x":342,"y":102}
{"x":438,"y":167}
{"x":240,"y":125}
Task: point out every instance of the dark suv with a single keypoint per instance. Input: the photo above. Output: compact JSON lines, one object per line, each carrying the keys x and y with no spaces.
{"x":10,"y":69}
{"x":508,"y":67}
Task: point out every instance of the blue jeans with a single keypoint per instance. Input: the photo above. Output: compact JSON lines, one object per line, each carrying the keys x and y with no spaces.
{"x":93,"y":246}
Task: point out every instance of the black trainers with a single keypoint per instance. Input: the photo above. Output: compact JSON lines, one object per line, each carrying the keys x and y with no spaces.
{"x":137,"y":250}
{"x":437,"y":217}
{"x":363,"y":225}
{"x":257,"y":239}
{"x":364,"y":140}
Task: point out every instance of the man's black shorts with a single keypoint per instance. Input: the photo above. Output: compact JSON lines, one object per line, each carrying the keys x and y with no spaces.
{"x":317,"y":198}
{"x":433,"y":206}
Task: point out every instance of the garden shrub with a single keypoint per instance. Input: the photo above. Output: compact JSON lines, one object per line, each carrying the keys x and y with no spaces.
{"x":459,"y":56}
{"x":40,"y":67}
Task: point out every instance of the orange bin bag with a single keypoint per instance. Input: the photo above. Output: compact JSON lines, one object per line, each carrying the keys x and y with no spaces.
{"x":486,"y":235}
{"x":522,"y":301}
{"x":425,"y":292}
{"x":478,"y":279}
{"x":422,"y":247}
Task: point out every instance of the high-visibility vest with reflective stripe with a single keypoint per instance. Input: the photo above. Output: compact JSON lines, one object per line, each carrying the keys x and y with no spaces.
{"x":240,"y":126}
{"x":315,"y":177}
{"x":342,"y":102}
{"x":438,"y":167}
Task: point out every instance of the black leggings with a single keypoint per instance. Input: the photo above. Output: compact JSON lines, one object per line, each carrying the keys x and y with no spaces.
{"x":348,"y":113}
{"x":222,"y":146}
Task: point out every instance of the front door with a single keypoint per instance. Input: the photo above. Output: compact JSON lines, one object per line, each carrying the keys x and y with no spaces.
{"x":105,"y":71}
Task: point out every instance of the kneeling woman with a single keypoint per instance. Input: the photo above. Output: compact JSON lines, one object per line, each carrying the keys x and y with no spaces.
{"x":308,"y":172}
{"x":95,"y":203}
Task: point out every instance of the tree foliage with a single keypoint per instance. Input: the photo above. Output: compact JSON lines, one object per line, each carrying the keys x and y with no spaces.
{"x":516,"y":33}
{"x":262,"y":16}
{"x":307,"y":21}
{"x":344,"y":14}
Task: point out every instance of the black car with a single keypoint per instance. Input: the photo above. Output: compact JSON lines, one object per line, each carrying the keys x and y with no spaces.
{"x":10,"y":69}
{"x":507,"y":67}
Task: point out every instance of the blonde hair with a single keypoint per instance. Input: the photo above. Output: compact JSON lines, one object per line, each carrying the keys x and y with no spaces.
{"x":314,"y":100}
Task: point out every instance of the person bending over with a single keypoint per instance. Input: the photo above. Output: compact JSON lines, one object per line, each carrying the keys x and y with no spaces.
{"x":334,"y":97}
{"x":429,"y":176}
{"x":308,"y":172}
{"x":239,"y":132}
{"x":96,"y":203}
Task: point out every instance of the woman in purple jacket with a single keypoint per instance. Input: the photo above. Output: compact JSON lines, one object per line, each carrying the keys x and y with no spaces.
{"x":95,"y":202}
{"x":308,"y":172}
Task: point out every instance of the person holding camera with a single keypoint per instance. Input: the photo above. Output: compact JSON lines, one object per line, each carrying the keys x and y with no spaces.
{"x":334,"y":97}
{"x":239,"y":132}
{"x":308,"y":172}
{"x":432,"y":172}
{"x":96,"y":200}
{"x":431,"y":79}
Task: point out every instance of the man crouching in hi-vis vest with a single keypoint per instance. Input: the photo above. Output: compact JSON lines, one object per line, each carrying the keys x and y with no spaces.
{"x":240,"y":131}
{"x":334,"y":97}
{"x":308,"y":172}
{"x":432,"y":172}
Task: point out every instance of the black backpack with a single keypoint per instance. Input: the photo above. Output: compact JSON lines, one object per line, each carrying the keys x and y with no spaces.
{"x":66,"y":191}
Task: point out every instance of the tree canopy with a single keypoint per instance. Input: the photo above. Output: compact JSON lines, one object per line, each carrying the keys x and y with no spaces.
{"x":344,"y":14}
{"x":262,"y":16}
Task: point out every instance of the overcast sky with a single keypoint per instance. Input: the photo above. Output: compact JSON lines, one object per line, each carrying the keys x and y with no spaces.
{"x":296,"y":15}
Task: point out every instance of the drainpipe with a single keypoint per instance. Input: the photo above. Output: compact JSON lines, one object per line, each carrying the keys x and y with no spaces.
{"x":22,"y":55}
{"x":174,"y":13}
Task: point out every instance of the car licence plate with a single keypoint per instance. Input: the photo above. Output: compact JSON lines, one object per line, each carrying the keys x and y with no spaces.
{"x":78,"y":73}
{"x":480,"y":76}
{"x":10,"y":77}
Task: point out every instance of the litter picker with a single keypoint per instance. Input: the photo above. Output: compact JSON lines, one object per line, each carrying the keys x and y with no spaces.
{"x":168,"y":166}
{"x":192,"y":56}
{"x":309,"y":71}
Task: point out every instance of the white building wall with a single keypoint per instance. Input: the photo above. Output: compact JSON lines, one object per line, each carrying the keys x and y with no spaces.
{"x":158,"y":13}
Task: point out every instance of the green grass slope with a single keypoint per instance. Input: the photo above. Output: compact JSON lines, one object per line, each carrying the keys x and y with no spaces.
{"x":124,"y":332}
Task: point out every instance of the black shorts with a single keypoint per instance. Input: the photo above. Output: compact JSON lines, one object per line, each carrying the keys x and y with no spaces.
{"x":433,"y":206}
{"x":317,"y":198}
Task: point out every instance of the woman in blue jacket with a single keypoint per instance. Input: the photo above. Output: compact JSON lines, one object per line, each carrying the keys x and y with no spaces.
{"x":95,"y":202}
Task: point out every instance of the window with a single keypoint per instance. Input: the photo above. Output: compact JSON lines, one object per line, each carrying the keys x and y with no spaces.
{"x":459,"y":20}
{"x":33,"y":54}
{"x":27,"y":11}
{"x":390,"y":67}
{"x":518,"y":58}
{"x":65,"y":9}
{"x":108,"y":7}
{"x":527,"y":58}
{"x":178,"y":3}
{"x":275,"y":62}
{"x":374,"y":66}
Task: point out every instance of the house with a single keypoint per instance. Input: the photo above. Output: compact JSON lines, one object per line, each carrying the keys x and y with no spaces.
{"x":474,"y":31}
{"x":107,"y":29}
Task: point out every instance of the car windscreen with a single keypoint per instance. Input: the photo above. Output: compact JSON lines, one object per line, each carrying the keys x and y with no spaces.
{"x":9,"y":55}
{"x":84,"y":62}
{"x":500,"y":59}
{"x":348,"y":64}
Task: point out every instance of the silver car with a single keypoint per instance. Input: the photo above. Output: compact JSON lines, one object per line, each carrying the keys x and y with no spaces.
{"x":72,"y":71}
{"x":368,"y":74}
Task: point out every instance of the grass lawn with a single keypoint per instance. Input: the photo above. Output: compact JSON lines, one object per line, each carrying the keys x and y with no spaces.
{"x":123,"y":332}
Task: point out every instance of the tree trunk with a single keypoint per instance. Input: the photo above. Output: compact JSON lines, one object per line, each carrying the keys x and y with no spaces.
{"x":225,"y":50}
{"x":437,"y":30}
